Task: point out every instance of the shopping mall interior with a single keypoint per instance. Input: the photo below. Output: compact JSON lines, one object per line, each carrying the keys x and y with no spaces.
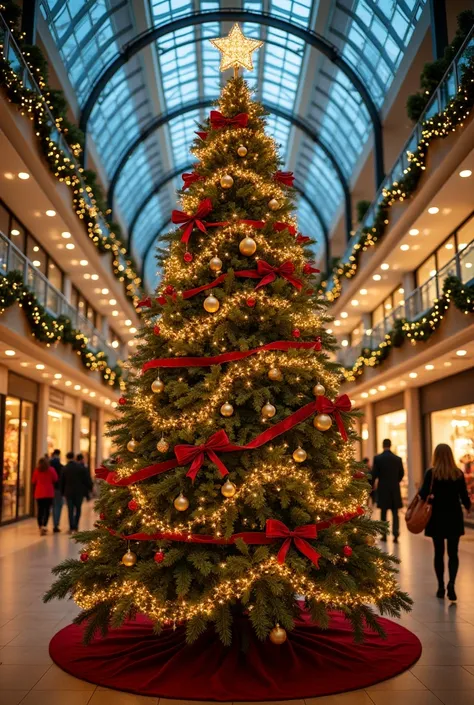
{"x":370,"y":105}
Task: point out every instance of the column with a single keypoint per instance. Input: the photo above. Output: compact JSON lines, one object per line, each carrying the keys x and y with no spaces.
{"x":408,"y":283}
{"x":76,"y":433}
{"x":369,"y":419}
{"x":411,"y":402}
{"x":42,"y":421}
{"x":67,"y":287}
{"x":100,"y":435}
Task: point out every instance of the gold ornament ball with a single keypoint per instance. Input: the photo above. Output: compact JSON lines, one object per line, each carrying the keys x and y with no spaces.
{"x":215,"y":265}
{"x":227,"y":409}
{"x":278,"y":635}
{"x":299,"y":455}
{"x":162,"y":446}
{"x":226,"y":181}
{"x":228,"y":489}
{"x":273,"y":204}
{"x":132,"y":445}
{"x":129,"y":559}
{"x":247,"y":246}
{"x":211,"y":304}
{"x":242,"y":150}
{"x":157,"y":386}
{"x":274,"y":373}
{"x":181,"y":503}
{"x":370,"y":540}
{"x":318,"y":390}
{"x":322,"y":422}
{"x":268,"y":411}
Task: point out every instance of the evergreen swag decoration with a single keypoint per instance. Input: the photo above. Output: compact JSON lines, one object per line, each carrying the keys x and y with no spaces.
{"x":462,"y":297}
{"x":59,"y":164}
{"x":437,"y":127}
{"x":51,"y":330}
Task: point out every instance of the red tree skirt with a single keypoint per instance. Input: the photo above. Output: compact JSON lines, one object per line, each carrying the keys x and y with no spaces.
{"x":311,"y":663}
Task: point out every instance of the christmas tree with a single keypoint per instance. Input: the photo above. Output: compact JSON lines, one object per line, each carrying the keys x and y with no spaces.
{"x":234,"y":489}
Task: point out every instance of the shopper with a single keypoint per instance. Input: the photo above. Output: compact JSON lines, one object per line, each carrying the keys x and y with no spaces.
{"x":446,"y":485}
{"x":44,"y":479}
{"x":58,"y":500}
{"x":81,"y":460}
{"x":75,"y":485}
{"x":387,"y":473}
{"x":370,"y":479}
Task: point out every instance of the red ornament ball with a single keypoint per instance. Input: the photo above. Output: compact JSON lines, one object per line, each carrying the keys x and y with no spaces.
{"x":359,"y":475}
{"x":188,"y":257}
{"x":133,"y":505}
{"x":102,"y":516}
{"x":251,"y":302}
{"x":122,"y":401}
{"x":118,"y":459}
{"x":159,"y":557}
{"x":84,"y":557}
{"x":347,"y":551}
{"x":169,"y":289}
{"x":296,"y":333}
{"x":156,"y":330}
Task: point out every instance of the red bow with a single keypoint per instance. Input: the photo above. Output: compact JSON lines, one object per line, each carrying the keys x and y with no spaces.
{"x":309,"y":269}
{"x":190,"y":179}
{"x":218,"y":120}
{"x":278,"y":227}
{"x":275,"y":529}
{"x":168,"y":291}
{"x":201,"y":135}
{"x":326,"y":406}
{"x":195,"y":454}
{"x":144,"y":303}
{"x":302,"y":239}
{"x":191,"y":220}
{"x":284,"y":177}
{"x":269,"y":273}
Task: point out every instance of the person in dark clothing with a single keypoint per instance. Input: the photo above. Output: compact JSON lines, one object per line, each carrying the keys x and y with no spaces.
{"x":446,"y":486}
{"x":387,"y":473}
{"x":81,"y":460}
{"x":58,"y":499}
{"x":75,"y":485}
{"x":370,"y":479}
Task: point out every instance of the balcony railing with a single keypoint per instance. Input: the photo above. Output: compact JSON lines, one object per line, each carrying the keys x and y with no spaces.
{"x":13,"y":260}
{"x":12,"y":53}
{"x":446,"y":91}
{"x":416,"y":304}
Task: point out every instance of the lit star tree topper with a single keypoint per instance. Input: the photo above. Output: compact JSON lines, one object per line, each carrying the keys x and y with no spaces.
{"x":236,"y":49}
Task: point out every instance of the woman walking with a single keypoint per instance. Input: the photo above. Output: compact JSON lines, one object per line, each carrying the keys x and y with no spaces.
{"x":445,"y":483}
{"x":44,"y":478}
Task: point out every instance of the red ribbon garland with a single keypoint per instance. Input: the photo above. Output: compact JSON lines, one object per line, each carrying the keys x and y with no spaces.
{"x":284,"y":177}
{"x":278,"y":227}
{"x":189,"y":221}
{"x":276,"y":529}
{"x":145,"y":303}
{"x":302,"y":239}
{"x":201,"y":135}
{"x":283,"y":345}
{"x":218,"y":121}
{"x":191,"y":178}
{"x":342,"y":403}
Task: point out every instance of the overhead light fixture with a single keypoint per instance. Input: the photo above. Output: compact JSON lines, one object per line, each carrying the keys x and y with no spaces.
{"x":87,"y":275}
{"x":363,"y":292}
{"x":40,"y":367}
{"x":354,"y":302}
{"x":10,"y":353}
{"x":414,"y":231}
{"x":83,"y":262}
{"x":133,"y":330}
{"x":382,"y":387}
{"x":36,"y":263}
{"x":447,"y":363}
{"x":464,"y":174}
{"x":68,"y":383}
{"x":329,"y":331}
{"x":429,"y":367}
{"x":337,"y":322}
{"x":432,"y":272}
{"x":433,"y":210}
{"x":58,"y":375}
{"x":401,"y":290}
{"x":112,"y":302}
{"x":24,"y":176}
{"x":92,"y":394}
{"x":364,"y":395}
{"x":128,"y":322}
{"x":449,"y":246}
{"x":66,"y":235}
{"x":8,"y":175}
{"x":115,"y":343}
{"x":413,"y":375}
{"x":461,"y":353}
{"x":115,"y":313}
{"x":377,"y":277}
{"x":14,"y":232}
{"x":404,"y":248}
{"x":70,"y":246}
{"x":105,"y":291}
{"x":344,"y":343}
{"x":94,"y":277}
{"x":372,"y":391}
{"x":77,"y":387}
{"x":24,"y":364}
{"x":462,"y":245}
{"x":385,"y":266}
{"x":344,"y":314}
{"x":50,"y":213}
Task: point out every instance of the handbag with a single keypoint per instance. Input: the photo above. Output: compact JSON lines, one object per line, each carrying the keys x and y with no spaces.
{"x":419,"y":511}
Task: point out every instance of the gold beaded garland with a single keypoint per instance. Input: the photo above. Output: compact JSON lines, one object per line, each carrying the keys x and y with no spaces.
{"x":370,"y":540}
{"x":247,"y":246}
{"x":129,"y":559}
{"x":228,"y":489}
{"x":157,"y":386}
{"x":181,"y":503}
{"x":226,"y":181}
{"x":162,"y":446}
{"x":319,"y":390}
{"x":132,"y":445}
{"x":299,"y":455}
{"x":242,"y":150}
{"x":273,"y":204}
{"x":215,"y":265}
{"x":322,"y":422}
{"x":278,"y":635}
{"x":227,"y":409}
{"x":211,"y":304}
{"x":274,"y":373}
{"x":268,"y":411}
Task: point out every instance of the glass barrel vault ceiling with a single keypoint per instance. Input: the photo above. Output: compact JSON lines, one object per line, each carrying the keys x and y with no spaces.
{"x":372,"y":35}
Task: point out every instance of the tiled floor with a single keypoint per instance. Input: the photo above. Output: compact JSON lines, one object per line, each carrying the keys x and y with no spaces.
{"x":444,"y":674}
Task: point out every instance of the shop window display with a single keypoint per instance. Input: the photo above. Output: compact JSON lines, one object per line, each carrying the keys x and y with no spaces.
{"x":394,"y":426}
{"x":18,"y":459}
{"x":60,"y":425}
{"x":456,"y":428}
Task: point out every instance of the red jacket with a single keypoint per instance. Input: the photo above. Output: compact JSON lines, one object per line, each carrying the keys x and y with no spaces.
{"x":43,"y":481}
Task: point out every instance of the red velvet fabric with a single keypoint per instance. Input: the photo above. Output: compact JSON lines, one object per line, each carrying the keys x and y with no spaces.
{"x":312,"y":662}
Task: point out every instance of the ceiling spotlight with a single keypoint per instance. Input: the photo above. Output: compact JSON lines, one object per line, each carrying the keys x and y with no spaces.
{"x":24,"y":176}
{"x":376,"y":277}
{"x":94,"y":277}
{"x":128,"y":322}
{"x":40,"y":367}
{"x":364,"y":395}
{"x":461,"y":353}
{"x":83,"y":262}
{"x":464,"y":174}
{"x":66,"y":235}
{"x":77,"y":387}
{"x":429,"y":367}
{"x":115,"y":313}
{"x":414,"y":231}
{"x":404,"y":248}
{"x":105,"y":291}
{"x":8,"y":175}
{"x":68,"y":383}
{"x":363,"y":292}
{"x":354,"y":302}
{"x":344,"y":343}
{"x":413,"y":375}
{"x":14,"y":231}
{"x":92,"y":394}
{"x":115,"y":343}
{"x":132,"y":330}
{"x":384,"y":266}
{"x":70,"y":246}
{"x":344,"y":314}
{"x":10,"y":353}
{"x":447,"y":363}
{"x":24,"y":364}
{"x":112,"y":302}
{"x":87,"y":275}
{"x":337,"y":323}
{"x":372,"y":391}
{"x":50,"y":213}
{"x":382,"y":387}
{"x":433,"y":210}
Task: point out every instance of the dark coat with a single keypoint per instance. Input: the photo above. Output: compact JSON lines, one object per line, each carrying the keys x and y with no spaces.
{"x":75,"y":480}
{"x":55,"y":463}
{"x":387,"y":468}
{"x":446,"y":519}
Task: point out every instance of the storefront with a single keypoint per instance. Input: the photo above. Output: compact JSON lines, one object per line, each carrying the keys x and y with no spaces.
{"x":17,"y":451}
{"x":60,"y":430}
{"x":88,"y":438}
{"x":391,"y":423}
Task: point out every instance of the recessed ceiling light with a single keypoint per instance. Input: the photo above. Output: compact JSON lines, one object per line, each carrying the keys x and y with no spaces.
{"x":344,"y":314}
{"x":384,"y":266}
{"x":372,"y":391}
{"x":94,"y":277}
{"x":462,"y":245}
{"x":363,"y":292}
{"x":105,"y":291}
{"x":15,"y":232}
{"x":8,"y":175}
{"x":58,"y":375}
{"x":329,"y":331}
{"x":401,"y":290}
{"x":24,"y":364}
{"x":403,"y":383}
{"x":133,"y":330}
{"x":414,"y":231}
{"x":115,"y":343}
{"x":114,"y":404}
{"x":87,"y":275}
{"x":344,"y":343}
{"x":112,"y":302}
{"x":429,"y":367}
{"x":92,"y":394}
{"x":376,"y":277}
{"x":45,"y":375}
{"x":128,"y":322}
{"x":66,"y":235}
{"x":77,"y":387}
{"x":364,"y":395}
{"x":40,"y":367}
{"x":447,"y":363}
{"x":461,"y":353}
{"x":464,"y":174}
{"x":36,"y":263}
{"x":107,"y":401}
{"x":68,"y":383}
{"x":337,"y":322}
{"x":354,"y":302}
{"x":50,"y":213}
{"x":449,"y":246}
{"x":115,"y":313}
{"x":433,"y":210}
{"x":382,"y":387}
{"x":404,"y":248}
{"x":131,"y":343}
{"x":432,"y":272}
{"x":24,"y":176}
{"x":10,"y":353}
{"x":83,"y":262}
{"x":413,"y":375}
{"x":70,"y":246}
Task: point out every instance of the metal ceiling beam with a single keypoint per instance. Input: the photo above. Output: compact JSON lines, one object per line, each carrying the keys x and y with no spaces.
{"x":305,"y":127}
{"x":309,"y":37}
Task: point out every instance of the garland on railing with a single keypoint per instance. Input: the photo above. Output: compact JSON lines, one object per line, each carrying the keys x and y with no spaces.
{"x":50,"y":330}
{"x":73,"y":176}
{"x":439,"y":126}
{"x":454,"y":290}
